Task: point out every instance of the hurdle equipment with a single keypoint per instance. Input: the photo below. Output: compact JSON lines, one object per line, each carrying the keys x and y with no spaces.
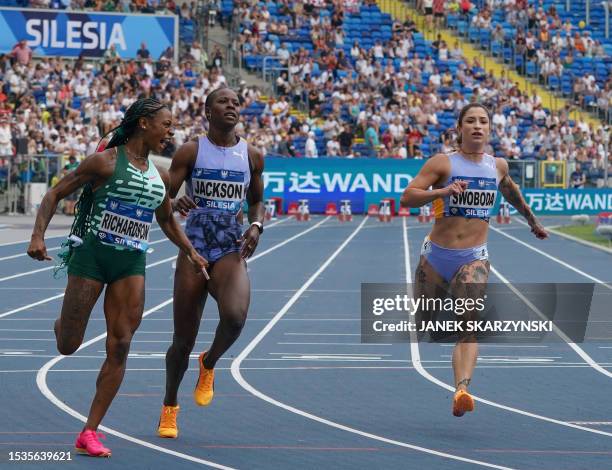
{"x":404,"y":212}
{"x":270,"y":205}
{"x":425,"y":214}
{"x":303,"y":212}
{"x":503,"y":215}
{"x":346,"y":212}
{"x":384,"y":211}
{"x":373,"y":210}
{"x":331,"y":209}
{"x":292,"y":209}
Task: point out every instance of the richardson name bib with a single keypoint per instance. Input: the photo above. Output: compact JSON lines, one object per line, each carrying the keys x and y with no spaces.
{"x":126,"y":225}
{"x":218,"y":189}
{"x":476,"y":201}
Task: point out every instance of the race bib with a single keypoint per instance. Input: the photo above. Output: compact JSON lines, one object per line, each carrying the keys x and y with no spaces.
{"x":476,"y":201}
{"x":481,"y":253}
{"x":218,"y":189}
{"x":125,"y":225}
{"x":426,"y":247}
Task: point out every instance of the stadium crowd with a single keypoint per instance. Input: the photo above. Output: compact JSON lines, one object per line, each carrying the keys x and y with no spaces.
{"x":351,"y":91}
{"x":391,"y":100}
{"x":548,"y":43}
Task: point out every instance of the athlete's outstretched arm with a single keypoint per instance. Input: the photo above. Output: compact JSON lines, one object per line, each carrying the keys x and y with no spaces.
{"x":94,"y":166}
{"x":418,"y":194}
{"x":173,"y":230}
{"x":512,"y":194}
{"x":180,"y":168}
{"x":257,"y":210}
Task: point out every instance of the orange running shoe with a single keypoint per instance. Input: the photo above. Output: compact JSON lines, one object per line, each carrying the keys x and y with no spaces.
{"x":462,"y":402}
{"x":89,"y":444}
{"x":167,"y":422}
{"x":205,"y":388}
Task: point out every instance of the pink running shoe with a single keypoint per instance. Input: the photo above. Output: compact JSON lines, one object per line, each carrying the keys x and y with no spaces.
{"x":88,"y":443}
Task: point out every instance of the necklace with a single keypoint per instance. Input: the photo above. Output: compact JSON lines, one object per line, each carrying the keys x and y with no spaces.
{"x":471,"y":153}
{"x":137,"y":158}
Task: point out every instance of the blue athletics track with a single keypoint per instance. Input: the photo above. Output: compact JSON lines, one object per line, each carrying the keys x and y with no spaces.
{"x":299,"y":390}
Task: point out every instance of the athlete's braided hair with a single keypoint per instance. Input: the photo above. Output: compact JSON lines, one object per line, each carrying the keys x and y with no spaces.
{"x":83,"y":208}
{"x":139,"y":109}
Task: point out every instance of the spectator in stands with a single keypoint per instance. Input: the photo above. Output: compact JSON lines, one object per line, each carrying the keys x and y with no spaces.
{"x":22,"y":52}
{"x":6,"y":137}
{"x":285,"y":146}
{"x":428,"y":12}
{"x":371,"y":138}
{"x":143,"y":52}
{"x":346,"y":140}
{"x":111,"y":53}
{"x":333,"y":147}
{"x":577,"y":178}
{"x":438,"y":11}
{"x":311,"y":146}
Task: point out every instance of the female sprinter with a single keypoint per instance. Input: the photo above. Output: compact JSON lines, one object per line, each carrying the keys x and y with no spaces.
{"x":221,"y":170}
{"x":455,"y":253}
{"x":123,"y":189}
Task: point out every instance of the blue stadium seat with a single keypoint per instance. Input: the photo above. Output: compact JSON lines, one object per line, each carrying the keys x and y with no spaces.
{"x":530,"y":69}
{"x":554,"y":83}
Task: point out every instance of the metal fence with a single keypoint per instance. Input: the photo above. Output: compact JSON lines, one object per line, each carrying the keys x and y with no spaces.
{"x":24,"y":179}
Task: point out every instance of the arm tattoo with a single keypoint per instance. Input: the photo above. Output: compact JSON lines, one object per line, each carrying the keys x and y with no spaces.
{"x":513,"y":195}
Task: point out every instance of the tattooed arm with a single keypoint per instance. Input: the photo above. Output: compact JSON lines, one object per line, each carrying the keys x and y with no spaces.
{"x":99,"y":166}
{"x":512,"y":194}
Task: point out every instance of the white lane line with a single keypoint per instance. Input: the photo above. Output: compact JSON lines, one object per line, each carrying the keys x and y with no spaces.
{"x":339,"y":344}
{"x":577,"y":349}
{"x":554,"y":229}
{"x":581,"y":352}
{"x":593,"y":423}
{"x":14,"y":276}
{"x":156,"y":263}
{"x":4,"y":258}
{"x":48,"y":249}
{"x":25,"y":307}
{"x":551,"y":257}
{"x":27,"y":339}
{"x":41,"y":376}
{"x":500,"y":346}
{"x":59,"y":296}
{"x":27,"y":273}
{"x":417,"y":363}
{"x":237,"y":374}
{"x":375,"y":368}
{"x":41,"y":381}
{"x":327,"y":354}
{"x":322,"y":334}
{"x":28,"y":240}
